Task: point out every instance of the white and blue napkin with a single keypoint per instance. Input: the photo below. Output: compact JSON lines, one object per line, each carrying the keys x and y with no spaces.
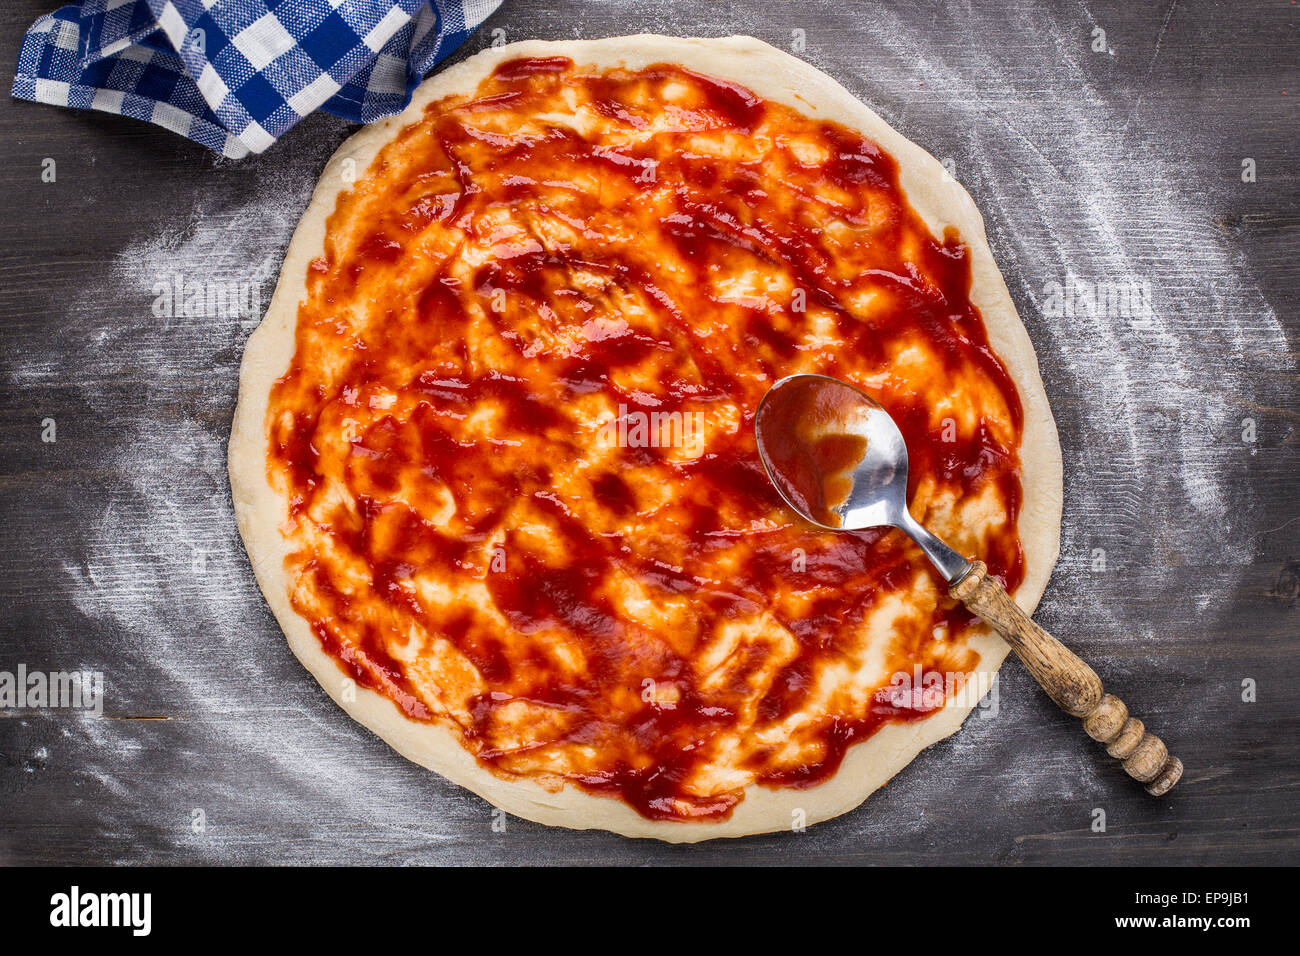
{"x":235,"y":75}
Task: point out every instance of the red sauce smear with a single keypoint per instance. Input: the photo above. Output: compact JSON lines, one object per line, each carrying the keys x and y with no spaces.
{"x":497,"y":275}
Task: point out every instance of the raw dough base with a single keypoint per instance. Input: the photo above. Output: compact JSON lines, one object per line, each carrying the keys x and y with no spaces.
{"x":940,"y":202}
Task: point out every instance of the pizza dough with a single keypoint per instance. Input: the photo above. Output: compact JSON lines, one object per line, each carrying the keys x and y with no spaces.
{"x":938,"y":200}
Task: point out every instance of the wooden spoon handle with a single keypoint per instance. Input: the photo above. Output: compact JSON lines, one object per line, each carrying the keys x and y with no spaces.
{"x":1070,"y":682}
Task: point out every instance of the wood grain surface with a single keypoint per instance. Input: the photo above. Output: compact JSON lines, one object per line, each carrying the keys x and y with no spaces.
{"x":1098,"y":161}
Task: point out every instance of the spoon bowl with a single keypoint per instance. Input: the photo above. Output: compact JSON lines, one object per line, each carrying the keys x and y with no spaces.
{"x":838,"y":459}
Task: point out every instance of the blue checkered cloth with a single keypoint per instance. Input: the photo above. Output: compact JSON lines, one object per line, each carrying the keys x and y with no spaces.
{"x":234,"y":75}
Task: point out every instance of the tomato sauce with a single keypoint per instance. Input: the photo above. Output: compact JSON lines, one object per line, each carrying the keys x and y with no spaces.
{"x":645,"y":620}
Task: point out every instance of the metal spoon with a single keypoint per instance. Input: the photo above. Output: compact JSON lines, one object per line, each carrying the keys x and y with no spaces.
{"x":838,"y":459}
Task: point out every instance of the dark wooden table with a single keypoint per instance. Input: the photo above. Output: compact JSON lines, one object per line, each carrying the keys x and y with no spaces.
{"x":1098,"y":162}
